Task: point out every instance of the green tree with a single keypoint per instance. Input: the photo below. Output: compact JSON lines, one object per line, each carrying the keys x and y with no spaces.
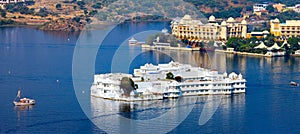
{"x":249,"y":8}
{"x":85,"y":11}
{"x":88,"y":20}
{"x":81,"y":4}
{"x":3,"y":14}
{"x":288,"y":15}
{"x":201,"y":44}
{"x":170,"y":76}
{"x":25,"y":10}
{"x":9,"y":7}
{"x":270,"y":9}
{"x":270,"y":40}
{"x":233,"y":42}
{"x":58,"y":6}
{"x":43,"y":12}
{"x":294,"y":44}
{"x":6,"y":22}
{"x":231,"y":12}
{"x":76,"y":19}
{"x":93,"y":12}
{"x":127,"y":85}
{"x":150,"y":40}
{"x":97,"y":5}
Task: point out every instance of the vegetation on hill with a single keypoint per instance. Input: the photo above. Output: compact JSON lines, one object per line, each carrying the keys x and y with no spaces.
{"x":9,"y":22}
{"x":232,"y":12}
{"x":289,"y":15}
{"x":235,"y":8}
{"x":87,"y":11}
{"x":248,"y":45}
{"x":6,"y":22}
{"x":209,"y":6}
{"x":19,"y":7}
{"x":120,"y":11}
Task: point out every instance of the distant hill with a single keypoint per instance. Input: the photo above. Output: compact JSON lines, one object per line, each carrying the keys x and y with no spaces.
{"x":73,"y":14}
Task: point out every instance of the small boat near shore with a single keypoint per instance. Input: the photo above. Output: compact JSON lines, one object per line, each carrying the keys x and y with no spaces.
{"x":292,"y":83}
{"x":23,"y":101}
{"x":132,"y":41}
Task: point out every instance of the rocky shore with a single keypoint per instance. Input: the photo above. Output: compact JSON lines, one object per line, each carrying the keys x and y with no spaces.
{"x":63,"y":25}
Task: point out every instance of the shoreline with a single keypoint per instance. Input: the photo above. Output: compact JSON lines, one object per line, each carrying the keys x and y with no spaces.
{"x":240,"y":53}
{"x":145,"y":46}
{"x":39,"y":25}
{"x":24,"y":25}
{"x":253,"y":54}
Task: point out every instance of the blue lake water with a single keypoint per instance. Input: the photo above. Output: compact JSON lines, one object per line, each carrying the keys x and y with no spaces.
{"x":34,"y":60}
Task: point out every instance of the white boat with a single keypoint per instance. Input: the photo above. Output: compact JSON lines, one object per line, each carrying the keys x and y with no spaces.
{"x":23,"y":101}
{"x":150,"y":83}
{"x":294,"y":83}
{"x":132,"y":41}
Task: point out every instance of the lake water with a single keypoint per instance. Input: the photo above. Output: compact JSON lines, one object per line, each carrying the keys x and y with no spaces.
{"x":40,"y":63}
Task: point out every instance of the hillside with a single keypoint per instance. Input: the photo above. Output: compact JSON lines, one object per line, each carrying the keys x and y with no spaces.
{"x":72,"y":15}
{"x":210,"y":6}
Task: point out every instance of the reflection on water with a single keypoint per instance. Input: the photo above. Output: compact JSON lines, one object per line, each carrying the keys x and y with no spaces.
{"x":209,"y":60}
{"x":114,"y":116}
{"x":106,"y":112}
{"x":145,"y":109}
{"x":21,"y":110}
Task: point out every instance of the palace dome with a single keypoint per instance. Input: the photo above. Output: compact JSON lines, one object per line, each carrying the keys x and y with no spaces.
{"x":244,"y":22}
{"x":187,"y":17}
{"x":223,"y":23}
{"x":230,"y":20}
{"x":276,"y":20}
{"x":212,"y":18}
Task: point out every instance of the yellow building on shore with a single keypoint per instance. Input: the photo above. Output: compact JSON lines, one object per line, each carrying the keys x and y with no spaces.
{"x":291,"y":28}
{"x":196,"y":31}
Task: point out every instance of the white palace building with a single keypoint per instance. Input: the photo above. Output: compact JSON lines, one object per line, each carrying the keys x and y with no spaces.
{"x":151,"y":83}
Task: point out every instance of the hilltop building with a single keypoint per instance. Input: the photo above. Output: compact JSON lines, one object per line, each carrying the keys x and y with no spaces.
{"x":289,"y":29}
{"x":258,"y":8}
{"x":196,"y":31}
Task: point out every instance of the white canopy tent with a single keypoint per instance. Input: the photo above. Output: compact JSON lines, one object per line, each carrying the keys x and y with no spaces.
{"x":275,"y":46}
{"x":261,"y":46}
